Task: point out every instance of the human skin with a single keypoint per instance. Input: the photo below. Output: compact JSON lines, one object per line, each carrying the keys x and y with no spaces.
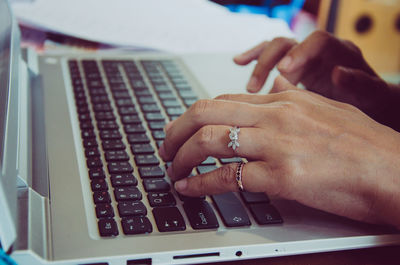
{"x":300,"y":146}
{"x":329,"y":66}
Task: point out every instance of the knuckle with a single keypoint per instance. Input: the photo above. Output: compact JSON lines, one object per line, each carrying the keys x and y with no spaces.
{"x":200,"y":108}
{"x":226,"y":175}
{"x":202,"y":185}
{"x":225,"y":97}
{"x":205,"y":136}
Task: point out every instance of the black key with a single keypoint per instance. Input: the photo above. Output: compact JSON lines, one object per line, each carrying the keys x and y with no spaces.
{"x":98,"y":92}
{"x":110,"y":135}
{"x":94,"y":162}
{"x":121,"y":94}
{"x":187,"y":198}
{"x":254,"y":197}
{"x":146,"y":160}
{"x":119,"y":180}
{"x":136,"y":225}
{"x":161,"y":199}
{"x":119,"y":167}
{"x":113,"y":145}
{"x":161,"y":87}
{"x":156,"y":185}
{"x":231,"y":210}
{"x":182,"y":86}
{"x":166,"y":95}
{"x":81,"y":102}
{"x":82,"y":109}
{"x":146,"y":100}
{"x":131,"y":119}
{"x":102,"y":107}
{"x":117,"y":155}
{"x":156,"y":125}
{"x":86,"y":125}
{"x":154,"y":116}
{"x":205,"y":169}
{"x":168,"y":219}
{"x":200,"y":214}
{"x":92,"y":152}
{"x":100,"y":99}
{"x":126,"y":102}
{"x":209,"y":161}
{"x":230,"y":160}
{"x":138,"y":138}
{"x":127,"y":110}
{"x":104,"y":116}
{"x":187,"y":94}
{"x":265,"y":213}
{"x":150,"y":108}
{"x":107,"y":125}
{"x":127,"y":193}
{"x":138,"y":84}
{"x":95,"y":173}
{"x":108,"y":227}
{"x":89,"y":143}
{"x":151,"y":172}
{"x":99,"y":185}
{"x":144,"y":92}
{"x":138,"y":149}
{"x":168,"y":103}
{"x":131,"y":208}
{"x":101,"y":197}
{"x":104,"y":210}
{"x":134,"y":128}
{"x":84,"y":117}
{"x":158,"y":135}
{"x":175,"y":111}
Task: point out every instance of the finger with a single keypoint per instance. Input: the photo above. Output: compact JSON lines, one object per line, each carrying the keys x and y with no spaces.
{"x":354,"y":79}
{"x":305,"y":55}
{"x":250,"y":55}
{"x":256,"y":177}
{"x":213,"y":140}
{"x":281,"y":84}
{"x":206,"y":112}
{"x":267,"y":60}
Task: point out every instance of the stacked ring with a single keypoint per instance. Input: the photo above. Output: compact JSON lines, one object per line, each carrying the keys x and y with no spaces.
{"x":239,"y":175}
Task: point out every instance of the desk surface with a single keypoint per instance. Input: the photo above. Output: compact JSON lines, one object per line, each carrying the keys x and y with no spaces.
{"x":370,"y":256}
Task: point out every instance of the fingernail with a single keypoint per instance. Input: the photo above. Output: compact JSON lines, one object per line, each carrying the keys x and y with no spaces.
{"x":161,"y":151}
{"x":285,"y":64}
{"x":181,"y":185}
{"x":253,"y":84}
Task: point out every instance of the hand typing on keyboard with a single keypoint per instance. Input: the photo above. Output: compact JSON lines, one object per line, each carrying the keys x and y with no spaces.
{"x":300,"y":145}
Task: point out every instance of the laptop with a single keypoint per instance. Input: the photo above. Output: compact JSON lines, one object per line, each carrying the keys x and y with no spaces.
{"x":82,"y":183}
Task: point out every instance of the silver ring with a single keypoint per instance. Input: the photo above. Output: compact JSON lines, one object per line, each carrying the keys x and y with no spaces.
{"x":234,"y":136}
{"x":239,"y":171}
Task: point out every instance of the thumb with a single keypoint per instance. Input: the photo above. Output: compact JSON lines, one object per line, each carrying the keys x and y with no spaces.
{"x":282,"y":84}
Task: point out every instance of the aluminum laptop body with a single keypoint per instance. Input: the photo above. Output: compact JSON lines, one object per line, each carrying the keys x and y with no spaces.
{"x":46,"y":206}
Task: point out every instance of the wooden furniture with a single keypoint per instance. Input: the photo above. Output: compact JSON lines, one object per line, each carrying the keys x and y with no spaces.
{"x":373,"y":25}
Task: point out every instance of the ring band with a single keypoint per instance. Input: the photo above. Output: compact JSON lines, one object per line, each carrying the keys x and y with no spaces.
{"x":239,"y":175}
{"x":234,"y":136}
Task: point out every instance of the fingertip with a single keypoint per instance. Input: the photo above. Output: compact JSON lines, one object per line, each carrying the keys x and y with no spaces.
{"x":341,"y":75}
{"x":241,"y":59}
{"x":285,"y":65}
{"x":181,"y":185}
{"x":253,"y":85}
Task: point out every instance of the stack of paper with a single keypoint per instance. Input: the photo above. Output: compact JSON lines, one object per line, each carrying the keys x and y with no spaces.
{"x":180,"y":26}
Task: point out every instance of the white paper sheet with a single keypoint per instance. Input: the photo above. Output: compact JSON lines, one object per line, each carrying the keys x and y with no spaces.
{"x":180,"y":26}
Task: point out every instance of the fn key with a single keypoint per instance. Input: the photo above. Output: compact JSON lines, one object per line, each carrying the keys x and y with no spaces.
{"x":108,"y":227}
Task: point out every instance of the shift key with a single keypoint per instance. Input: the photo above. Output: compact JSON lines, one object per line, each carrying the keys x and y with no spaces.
{"x":231,"y":210}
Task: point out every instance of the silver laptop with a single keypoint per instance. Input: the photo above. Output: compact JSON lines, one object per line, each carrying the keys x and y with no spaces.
{"x":81,"y":181}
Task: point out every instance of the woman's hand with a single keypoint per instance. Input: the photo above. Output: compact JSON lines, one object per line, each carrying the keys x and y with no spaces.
{"x":328,"y":66}
{"x":300,"y":146}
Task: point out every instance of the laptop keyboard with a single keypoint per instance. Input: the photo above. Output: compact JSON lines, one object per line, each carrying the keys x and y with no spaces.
{"x":122,"y":108}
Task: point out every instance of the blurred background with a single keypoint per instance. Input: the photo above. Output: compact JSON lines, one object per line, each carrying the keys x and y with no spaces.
{"x":210,"y":26}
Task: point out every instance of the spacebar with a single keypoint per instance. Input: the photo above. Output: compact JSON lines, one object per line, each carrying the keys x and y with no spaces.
{"x":231,"y":210}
